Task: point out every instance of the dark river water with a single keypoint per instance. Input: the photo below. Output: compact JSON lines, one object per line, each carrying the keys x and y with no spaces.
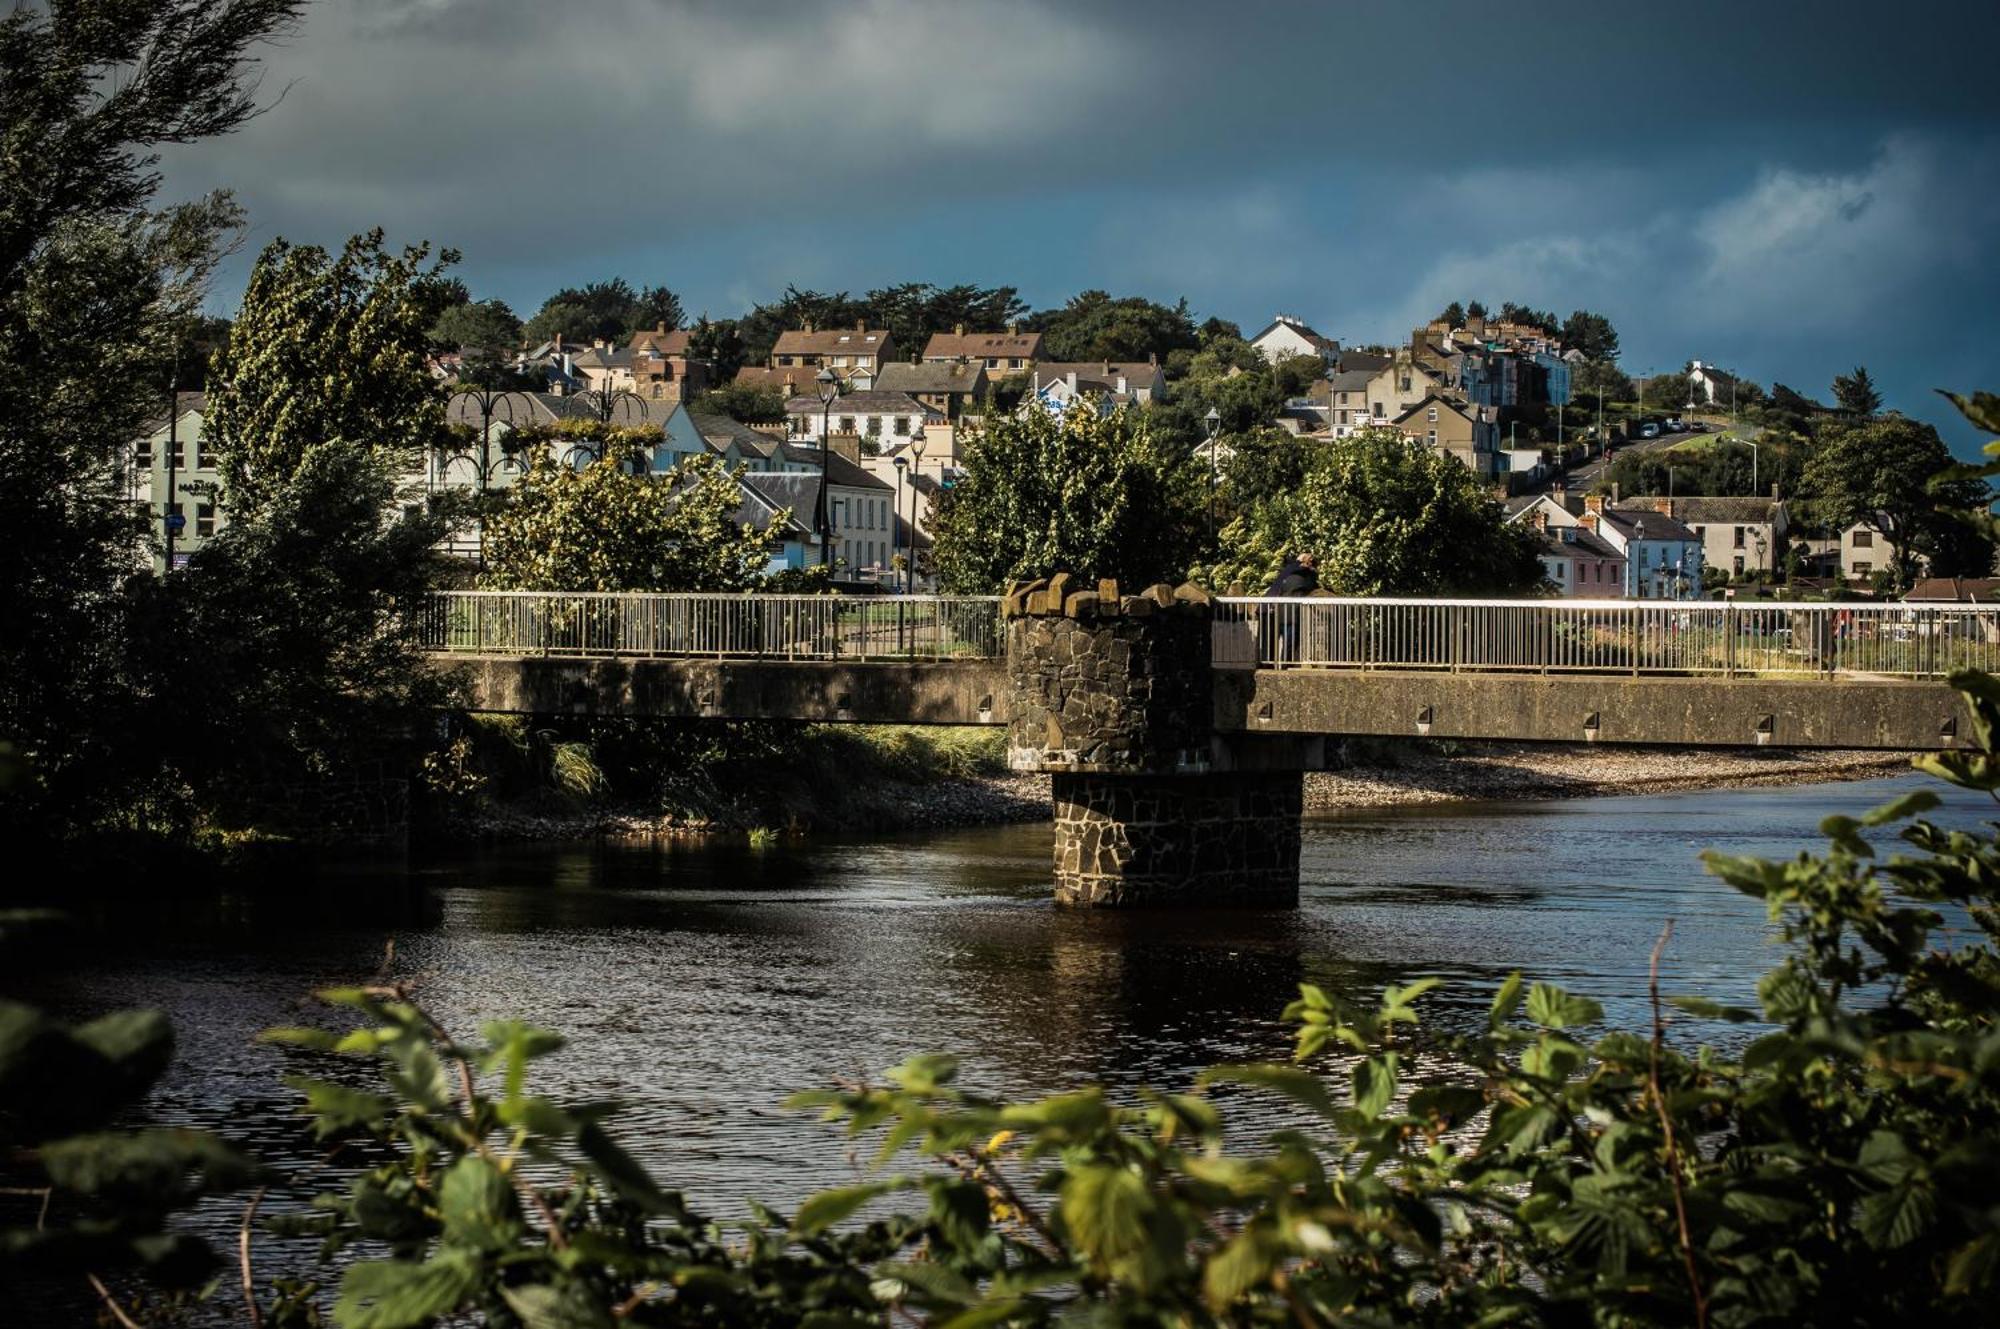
{"x":701,"y":985}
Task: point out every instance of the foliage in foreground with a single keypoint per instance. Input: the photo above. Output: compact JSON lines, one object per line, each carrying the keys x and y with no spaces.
{"x":1839,"y":1171}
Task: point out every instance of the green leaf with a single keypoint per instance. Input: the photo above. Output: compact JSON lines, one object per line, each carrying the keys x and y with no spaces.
{"x":480,"y":1208}
{"x":570,"y":1306}
{"x":1374,"y":1085}
{"x":623,"y":1174}
{"x":337,"y":1108}
{"x":1901,"y":809}
{"x":1106,"y":1209}
{"x":1245,"y":1263}
{"x":1300,"y":1086}
{"x":827,"y":1208}
{"x":1554,"y":1008}
{"x":401,"y":1294}
{"x":1896,"y":1217}
{"x":1505,"y":1001}
{"x":1709,"y":1010}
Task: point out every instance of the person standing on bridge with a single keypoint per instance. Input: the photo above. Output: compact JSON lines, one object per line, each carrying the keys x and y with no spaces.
{"x":1299,"y":575}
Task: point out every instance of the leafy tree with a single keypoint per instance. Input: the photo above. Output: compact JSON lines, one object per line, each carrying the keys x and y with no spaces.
{"x":326,"y":351}
{"x":1591,"y":334}
{"x":745,"y":402}
{"x":487,"y":326}
{"x":600,"y":528}
{"x":760,"y":327}
{"x":98,"y":287}
{"x":1214,"y":329}
{"x":1602,"y":380}
{"x":1855,"y":393}
{"x":1529,"y":316}
{"x":1386,"y":516}
{"x":1669,"y":393}
{"x":1453,"y":315}
{"x":605,"y":310}
{"x":1473,"y":309}
{"x":1094,"y":326}
{"x":1095,"y":496}
{"x":1894,"y":472}
{"x":718,"y":342}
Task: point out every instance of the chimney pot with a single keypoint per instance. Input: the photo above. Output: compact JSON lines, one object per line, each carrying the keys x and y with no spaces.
{"x":660,"y":328}
{"x":958,"y":329}
{"x":1014,"y":327}
{"x":861,"y":325}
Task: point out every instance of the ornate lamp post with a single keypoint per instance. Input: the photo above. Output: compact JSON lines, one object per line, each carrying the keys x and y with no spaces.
{"x":603,"y":404}
{"x":492,"y":404}
{"x":829,"y":388}
{"x":1214,"y":422}
{"x":896,"y":525}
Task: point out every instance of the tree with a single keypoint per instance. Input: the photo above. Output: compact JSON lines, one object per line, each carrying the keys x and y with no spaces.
{"x":601,"y":528}
{"x":1453,"y":315}
{"x":1895,"y":473}
{"x":97,"y":289}
{"x":1855,"y":393}
{"x":1602,"y":380}
{"x":474,"y":327}
{"x":718,"y":342}
{"x":604,"y":311}
{"x":1591,"y":334}
{"x":290,"y":641}
{"x":1091,"y":495}
{"x":1094,"y":326}
{"x":745,"y":402}
{"x":326,"y":351}
{"x":1386,"y":516}
{"x":1474,"y":309}
{"x":760,"y":327}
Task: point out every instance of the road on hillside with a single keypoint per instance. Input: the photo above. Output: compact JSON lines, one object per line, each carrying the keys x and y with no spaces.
{"x":1583,"y":477}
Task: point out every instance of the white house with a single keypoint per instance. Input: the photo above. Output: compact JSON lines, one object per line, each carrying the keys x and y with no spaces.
{"x":181,"y":448}
{"x":871,"y":414}
{"x":1109,"y":382}
{"x":1709,"y":384}
{"x":1289,"y":336}
{"x":1663,"y":558}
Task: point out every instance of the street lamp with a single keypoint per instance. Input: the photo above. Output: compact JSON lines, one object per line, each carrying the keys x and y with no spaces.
{"x":1754,"y":490}
{"x":829,"y":388}
{"x":896,"y":525}
{"x":1214,"y":422}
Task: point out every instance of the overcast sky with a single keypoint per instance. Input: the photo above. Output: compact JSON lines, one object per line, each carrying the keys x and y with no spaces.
{"x":1785,"y":189}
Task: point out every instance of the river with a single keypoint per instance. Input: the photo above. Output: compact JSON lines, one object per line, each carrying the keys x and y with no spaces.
{"x":699,"y":985}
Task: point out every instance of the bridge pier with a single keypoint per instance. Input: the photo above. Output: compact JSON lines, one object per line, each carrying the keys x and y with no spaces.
{"x":1113,"y":696}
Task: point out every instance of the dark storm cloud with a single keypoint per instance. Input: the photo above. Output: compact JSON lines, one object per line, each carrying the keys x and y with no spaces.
{"x":1756,"y":182}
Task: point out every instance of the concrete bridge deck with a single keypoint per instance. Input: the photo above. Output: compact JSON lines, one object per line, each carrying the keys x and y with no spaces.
{"x":1536,"y":671}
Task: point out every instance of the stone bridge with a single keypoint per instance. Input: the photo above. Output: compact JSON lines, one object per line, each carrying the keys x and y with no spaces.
{"x":1176,"y":727}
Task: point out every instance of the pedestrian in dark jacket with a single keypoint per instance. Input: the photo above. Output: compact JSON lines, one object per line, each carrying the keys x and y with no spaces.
{"x":1298,"y":576}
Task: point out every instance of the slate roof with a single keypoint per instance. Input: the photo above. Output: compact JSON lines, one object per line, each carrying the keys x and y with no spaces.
{"x":1659,"y":526}
{"x":932,"y":376}
{"x":1366,"y":361}
{"x":1352,"y":380}
{"x":722,"y":430}
{"x":1581,"y":542}
{"x":1955,"y":590}
{"x":184,"y":402}
{"x":765,"y":494}
{"x":1727,"y":509}
{"x":787,"y":379}
{"x":871,"y":401}
{"x":1322,"y":343}
{"x":1457,"y":408}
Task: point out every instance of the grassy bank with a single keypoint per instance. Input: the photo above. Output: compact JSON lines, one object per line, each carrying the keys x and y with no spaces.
{"x":503,"y":777}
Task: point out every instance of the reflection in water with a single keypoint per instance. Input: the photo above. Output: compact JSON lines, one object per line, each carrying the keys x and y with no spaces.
{"x":701,"y":985}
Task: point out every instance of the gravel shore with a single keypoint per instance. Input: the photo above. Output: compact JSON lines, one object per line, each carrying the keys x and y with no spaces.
{"x":1405,"y":775}
{"x":1428,"y":773}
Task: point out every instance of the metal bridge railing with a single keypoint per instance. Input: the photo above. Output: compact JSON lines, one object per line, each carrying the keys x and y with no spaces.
{"x":785,"y":627}
{"x":1607,"y":636}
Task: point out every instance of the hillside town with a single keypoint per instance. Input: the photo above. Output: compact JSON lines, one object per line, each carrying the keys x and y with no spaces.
{"x":850,"y":439}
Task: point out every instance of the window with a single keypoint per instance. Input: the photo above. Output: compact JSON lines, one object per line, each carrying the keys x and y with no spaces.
{"x":142,"y":454}
{"x":204,"y":519}
{"x":1739,"y":565}
{"x":1864,"y":539}
{"x":202,"y":461}
{"x":1862,"y":567}
{"x":1739,"y":545}
{"x":1432,"y":438}
{"x":992,"y":362}
{"x":1014,"y":362}
{"x":1403,"y":383}
{"x":902,"y":426}
{"x":846,"y":424}
{"x":874,"y":426}
{"x":1378,"y":410}
{"x":1432,"y":415}
{"x":786,"y":360}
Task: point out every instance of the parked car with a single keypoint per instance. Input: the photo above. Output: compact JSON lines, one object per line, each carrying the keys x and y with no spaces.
{"x":1697,"y":427}
{"x":1649,"y":430}
{"x":1674,"y":425}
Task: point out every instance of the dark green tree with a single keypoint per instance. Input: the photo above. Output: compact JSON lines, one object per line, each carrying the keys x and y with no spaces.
{"x":1094,"y":326}
{"x":1473,"y":309}
{"x":604,"y":310}
{"x":1895,"y":473}
{"x":1855,"y":393}
{"x":485,"y":327}
{"x":1591,"y":334}
{"x":718,"y":342}
{"x":745,"y":402}
{"x":1453,"y":315}
{"x":98,"y":288}
{"x":1094,"y":496}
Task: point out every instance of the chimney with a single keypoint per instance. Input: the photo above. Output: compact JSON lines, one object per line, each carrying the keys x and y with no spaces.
{"x":808,"y":327}
{"x":861,"y":325}
{"x":958,"y":329}
{"x":845,"y":445}
{"x":1153,"y":359}
{"x":660,"y":328}
{"x":1614,"y":495}
{"x":1593,"y":505}
{"x":1589,"y":520}
{"x":1014,"y":328}
{"x":558,"y":343}
{"x":1774,"y":491}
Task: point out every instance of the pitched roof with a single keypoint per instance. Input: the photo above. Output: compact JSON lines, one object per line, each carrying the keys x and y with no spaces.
{"x":184,"y":403}
{"x":787,"y":379}
{"x":841,"y":471}
{"x":1352,"y":380}
{"x":516,"y":410}
{"x":668,"y":341}
{"x":932,"y":376}
{"x":1955,"y":590}
{"x":798,"y":341}
{"x":1457,"y":408}
{"x":983,"y":345}
{"x":1580,"y":541}
{"x":765,"y":494}
{"x":722,"y":430}
{"x":1726,"y":508}
{"x":871,"y":401}
{"x":1658,"y":525}
{"x":1100,"y":371}
{"x":1364,"y":360}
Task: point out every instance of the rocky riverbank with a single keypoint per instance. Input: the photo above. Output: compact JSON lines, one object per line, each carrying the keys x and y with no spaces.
{"x":1421,"y":773}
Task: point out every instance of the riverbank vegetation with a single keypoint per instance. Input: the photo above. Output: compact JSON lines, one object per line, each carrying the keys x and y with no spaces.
{"x":1539,"y":1169}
